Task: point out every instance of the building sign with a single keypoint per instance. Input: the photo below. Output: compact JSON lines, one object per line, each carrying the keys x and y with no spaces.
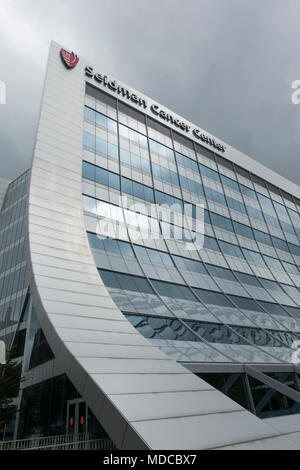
{"x":155,"y":109}
{"x":69,"y":58}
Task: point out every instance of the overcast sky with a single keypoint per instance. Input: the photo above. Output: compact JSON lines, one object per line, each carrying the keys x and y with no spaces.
{"x":225,"y":65}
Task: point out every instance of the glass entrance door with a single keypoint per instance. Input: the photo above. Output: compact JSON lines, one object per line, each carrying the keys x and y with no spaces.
{"x":76,"y":417}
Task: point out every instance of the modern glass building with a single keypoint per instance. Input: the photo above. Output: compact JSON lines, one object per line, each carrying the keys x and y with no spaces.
{"x":132,"y":320}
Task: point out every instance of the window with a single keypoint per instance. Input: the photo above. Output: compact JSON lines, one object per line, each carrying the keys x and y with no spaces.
{"x":163,"y":198}
{"x":273,"y":263}
{"x":230,"y":183}
{"x":262,"y":237}
{"x":165,"y":174}
{"x":216,"y":333}
{"x":221,"y":222}
{"x":161,"y":328}
{"x":191,"y":185}
{"x":273,"y":309}
{"x":111,"y":245}
{"x":211,"y":243}
{"x":125,"y":281}
{"x":135,"y":161}
{"x":295,"y":250}
{"x":221,"y":272}
{"x":229,"y":249}
{"x":236,"y":205}
{"x":255,"y":213}
{"x":89,"y":114}
{"x":186,"y":162}
{"x":209,"y":173}
{"x":176,"y":291}
{"x":213,"y":298}
{"x":243,"y":230}
{"x":153,"y":256}
{"x":248,"y":192}
{"x":190,"y":265}
{"x":160,"y":149}
{"x":291,"y":268}
{"x":137,"y":190}
{"x":95,"y":173}
{"x":253,"y":257}
{"x":215,"y":196}
{"x":89,"y":140}
{"x":245,"y":303}
{"x":265,"y":201}
{"x":248,"y":279}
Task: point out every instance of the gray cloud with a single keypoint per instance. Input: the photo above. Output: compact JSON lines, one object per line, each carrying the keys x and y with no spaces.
{"x":226,"y":65}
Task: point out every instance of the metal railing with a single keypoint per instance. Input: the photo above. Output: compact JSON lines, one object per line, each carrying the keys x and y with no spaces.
{"x":94,"y":444}
{"x":62,"y":442}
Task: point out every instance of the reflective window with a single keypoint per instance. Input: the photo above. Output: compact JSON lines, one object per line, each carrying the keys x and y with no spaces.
{"x":221,"y":272}
{"x":273,"y":309}
{"x":221,"y":222}
{"x":209,"y":173}
{"x":133,"y":136}
{"x":215,"y":196}
{"x":111,"y":245}
{"x":212,"y":298}
{"x":137,"y":190}
{"x":245,"y":303}
{"x":291,"y":268}
{"x":248,"y":192}
{"x":236,"y":205}
{"x":162,"y":150}
{"x":211,"y":243}
{"x":294,"y":311}
{"x":243,"y":230}
{"x":153,"y":256}
{"x":165,"y":174}
{"x":95,"y":173}
{"x":255,"y":213}
{"x":253,"y":257}
{"x":161,"y":328}
{"x":187,"y":162}
{"x":190,"y":265}
{"x":216,"y":333}
{"x":191,"y":185}
{"x":262,"y":237}
{"x":229,"y":249}
{"x":230,"y":183}
{"x":125,"y":281}
{"x":135,"y":161}
{"x":167,"y":289}
{"x":162,"y":198}
{"x":294,"y":249}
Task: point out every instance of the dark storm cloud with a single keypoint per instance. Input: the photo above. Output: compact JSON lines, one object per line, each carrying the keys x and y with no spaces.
{"x":226,"y":65}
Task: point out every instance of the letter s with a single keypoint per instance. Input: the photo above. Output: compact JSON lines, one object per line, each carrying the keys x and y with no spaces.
{"x":296,"y":95}
{"x":89,"y":71}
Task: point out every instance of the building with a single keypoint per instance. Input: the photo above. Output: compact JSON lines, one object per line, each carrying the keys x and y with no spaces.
{"x":131,"y":320}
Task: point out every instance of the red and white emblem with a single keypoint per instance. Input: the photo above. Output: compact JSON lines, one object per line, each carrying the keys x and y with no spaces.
{"x":69,"y":58}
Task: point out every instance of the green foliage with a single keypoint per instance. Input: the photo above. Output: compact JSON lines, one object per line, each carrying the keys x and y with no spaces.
{"x":10,"y":379}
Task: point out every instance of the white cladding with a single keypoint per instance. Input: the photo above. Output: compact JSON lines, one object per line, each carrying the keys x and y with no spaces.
{"x":142,"y":397}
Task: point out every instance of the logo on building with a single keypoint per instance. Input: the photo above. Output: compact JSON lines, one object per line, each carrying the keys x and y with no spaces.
{"x":69,"y":58}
